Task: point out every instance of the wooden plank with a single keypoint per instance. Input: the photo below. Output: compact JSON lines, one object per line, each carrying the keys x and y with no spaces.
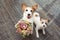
{"x":10,"y":13}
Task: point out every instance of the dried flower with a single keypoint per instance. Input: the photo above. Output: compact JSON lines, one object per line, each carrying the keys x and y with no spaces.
{"x":24,"y":28}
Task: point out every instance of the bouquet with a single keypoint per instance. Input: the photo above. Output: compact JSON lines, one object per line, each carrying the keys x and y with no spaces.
{"x":24,"y":28}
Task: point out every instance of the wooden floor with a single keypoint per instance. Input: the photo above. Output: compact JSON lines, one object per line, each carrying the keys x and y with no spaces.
{"x":10,"y":13}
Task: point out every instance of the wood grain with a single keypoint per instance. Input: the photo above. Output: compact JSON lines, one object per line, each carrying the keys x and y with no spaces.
{"x":10,"y":13}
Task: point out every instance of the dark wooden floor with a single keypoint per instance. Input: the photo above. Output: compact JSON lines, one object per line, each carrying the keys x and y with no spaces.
{"x":10,"y":13}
